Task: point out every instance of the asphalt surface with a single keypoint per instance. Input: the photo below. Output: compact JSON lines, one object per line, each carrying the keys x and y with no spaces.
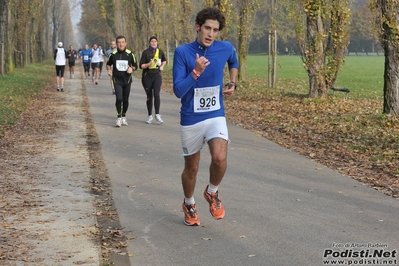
{"x":281,"y":208}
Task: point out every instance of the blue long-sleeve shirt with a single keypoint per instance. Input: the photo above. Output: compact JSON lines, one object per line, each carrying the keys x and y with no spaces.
{"x":196,"y":108}
{"x":86,"y":55}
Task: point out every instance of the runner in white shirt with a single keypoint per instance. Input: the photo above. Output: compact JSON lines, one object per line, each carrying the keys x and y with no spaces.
{"x":101,"y":60}
{"x":60,"y":60}
{"x":95,"y":63}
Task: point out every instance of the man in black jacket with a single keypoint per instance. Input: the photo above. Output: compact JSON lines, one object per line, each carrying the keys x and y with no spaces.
{"x":124,"y":63}
{"x":71,"y":55}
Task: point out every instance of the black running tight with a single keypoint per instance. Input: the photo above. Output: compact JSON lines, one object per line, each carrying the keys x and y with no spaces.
{"x":86,"y":67}
{"x":122,"y":93}
{"x":152,"y":85}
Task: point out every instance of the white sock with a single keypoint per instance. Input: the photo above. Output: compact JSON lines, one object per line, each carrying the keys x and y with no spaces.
{"x":212,"y":189}
{"x":189,"y":201}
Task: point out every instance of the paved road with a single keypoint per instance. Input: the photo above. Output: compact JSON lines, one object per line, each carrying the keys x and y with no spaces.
{"x":281,"y":208}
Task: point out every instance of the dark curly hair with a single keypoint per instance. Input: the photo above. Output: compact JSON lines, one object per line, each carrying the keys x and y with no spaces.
{"x":211,"y":13}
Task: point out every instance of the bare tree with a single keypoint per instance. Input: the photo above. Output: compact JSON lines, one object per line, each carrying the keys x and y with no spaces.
{"x":3,"y":34}
{"x":322,"y":34}
{"x":246,"y":11}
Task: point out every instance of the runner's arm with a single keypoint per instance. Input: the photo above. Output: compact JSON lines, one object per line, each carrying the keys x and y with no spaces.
{"x":183,"y":79}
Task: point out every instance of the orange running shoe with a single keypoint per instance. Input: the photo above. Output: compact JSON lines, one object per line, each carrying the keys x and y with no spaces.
{"x":215,"y":204}
{"x":190,"y":215}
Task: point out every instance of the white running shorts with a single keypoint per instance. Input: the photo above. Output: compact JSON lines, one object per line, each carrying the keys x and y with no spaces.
{"x":193,"y":137}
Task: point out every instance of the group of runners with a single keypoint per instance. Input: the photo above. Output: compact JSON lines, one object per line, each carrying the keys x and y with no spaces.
{"x":90,"y":57}
{"x":61,"y":56}
{"x":198,"y":81}
{"x":121,"y":62}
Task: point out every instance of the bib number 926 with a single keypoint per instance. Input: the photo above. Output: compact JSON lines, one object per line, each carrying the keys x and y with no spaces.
{"x":206,"y":99}
{"x":207,"y":102}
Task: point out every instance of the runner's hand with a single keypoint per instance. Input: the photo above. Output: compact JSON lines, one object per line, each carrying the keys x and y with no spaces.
{"x":152,"y":63}
{"x":229,"y":89}
{"x":201,"y":63}
{"x":109,"y":71}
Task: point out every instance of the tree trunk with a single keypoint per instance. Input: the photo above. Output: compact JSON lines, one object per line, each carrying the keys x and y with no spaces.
{"x":246,"y":16}
{"x":316,"y":57}
{"x":389,"y":11}
{"x":3,"y":32}
{"x":55,"y":24}
{"x":242,"y":48}
{"x":242,"y":71}
{"x":391,"y":80}
{"x":9,"y":53}
{"x":3,"y":20}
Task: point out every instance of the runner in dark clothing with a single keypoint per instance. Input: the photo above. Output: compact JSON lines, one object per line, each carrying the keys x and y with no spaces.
{"x":123,"y":63}
{"x":71,"y":56}
{"x":152,"y":62}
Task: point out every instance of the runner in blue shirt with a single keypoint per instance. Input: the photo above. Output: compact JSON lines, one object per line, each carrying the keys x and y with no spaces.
{"x":198,"y":78}
{"x":86,"y":58}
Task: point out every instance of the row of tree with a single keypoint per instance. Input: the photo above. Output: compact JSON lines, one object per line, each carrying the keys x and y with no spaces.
{"x":29,"y":31}
{"x":320,"y":28}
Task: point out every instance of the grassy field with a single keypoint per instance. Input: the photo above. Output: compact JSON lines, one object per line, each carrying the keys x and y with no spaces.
{"x":19,"y":88}
{"x":363,"y":75}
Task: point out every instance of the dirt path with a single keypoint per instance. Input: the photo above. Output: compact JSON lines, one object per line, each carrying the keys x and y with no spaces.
{"x":55,"y":203}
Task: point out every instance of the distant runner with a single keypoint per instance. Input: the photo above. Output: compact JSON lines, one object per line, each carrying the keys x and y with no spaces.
{"x":60,"y":60}
{"x":71,"y":55}
{"x":86,"y":58}
{"x":107,"y":54}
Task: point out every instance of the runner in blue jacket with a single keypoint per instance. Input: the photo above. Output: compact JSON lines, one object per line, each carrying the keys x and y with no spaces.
{"x":198,"y":78}
{"x":86,"y":56}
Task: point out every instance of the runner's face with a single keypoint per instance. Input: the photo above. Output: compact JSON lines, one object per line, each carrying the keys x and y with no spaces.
{"x":121,"y":44}
{"x":154,"y":43}
{"x":113,"y":45}
{"x":208,"y":32}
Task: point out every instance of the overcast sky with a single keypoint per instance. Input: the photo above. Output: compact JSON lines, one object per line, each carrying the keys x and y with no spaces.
{"x":75,"y":11}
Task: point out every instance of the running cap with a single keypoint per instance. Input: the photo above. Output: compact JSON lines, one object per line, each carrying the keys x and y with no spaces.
{"x":60,"y":44}
{"x":152,"y":38}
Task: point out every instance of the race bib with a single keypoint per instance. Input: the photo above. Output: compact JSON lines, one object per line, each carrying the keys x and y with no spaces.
{"x":86,"y":57}
{"x":206,"y":99}
{"x":122,"y":65}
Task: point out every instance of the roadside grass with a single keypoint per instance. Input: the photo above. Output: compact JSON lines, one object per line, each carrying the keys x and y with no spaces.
{"x":19,"y":88}
{"x":363,"y":75}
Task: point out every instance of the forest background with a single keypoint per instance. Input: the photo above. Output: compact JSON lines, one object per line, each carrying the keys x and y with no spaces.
{"x":30,"y":32}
